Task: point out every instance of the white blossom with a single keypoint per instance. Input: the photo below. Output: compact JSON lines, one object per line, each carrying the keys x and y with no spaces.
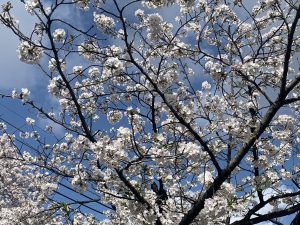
{"x":103,"y":22}
{"x":89,"y":50}
{"x":154,"y":23}
{"x":159,"y":109}
{"x":30,"y":121}
{"x":114,"y":116}
{"x":94,"y":72}
{"x":206,"y":85}
{"x":3,"y":126}
{"x":29,"y":53}
{"x":24,"y":94}
{"x":53,"y":67}
{"x":59,"y":35}
{"x":139,"y":13}
{"x":82,"y":4}
{"x":77,"y":70}
{"x":30,"y":5}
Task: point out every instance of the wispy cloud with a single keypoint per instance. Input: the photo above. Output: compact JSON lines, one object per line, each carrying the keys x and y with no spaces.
{"x":15,"y":74}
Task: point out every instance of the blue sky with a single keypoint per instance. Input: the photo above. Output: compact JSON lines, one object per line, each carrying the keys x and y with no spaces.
{"x":15,"y":74}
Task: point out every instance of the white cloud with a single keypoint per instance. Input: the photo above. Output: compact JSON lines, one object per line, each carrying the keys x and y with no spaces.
{"x":15,"y":74}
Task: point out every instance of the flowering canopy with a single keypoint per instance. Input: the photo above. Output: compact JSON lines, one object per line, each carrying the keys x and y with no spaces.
{"x":187,"y":121}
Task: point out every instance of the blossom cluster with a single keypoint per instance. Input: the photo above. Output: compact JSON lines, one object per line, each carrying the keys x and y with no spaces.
{"x":154,"y":118}
{"x":59,"y":35}
{"x":29,"y":52}
{"x":103,"y":22}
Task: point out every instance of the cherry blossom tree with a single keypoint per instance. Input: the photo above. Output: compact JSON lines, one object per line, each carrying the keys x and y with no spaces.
{"x":193,"y":120}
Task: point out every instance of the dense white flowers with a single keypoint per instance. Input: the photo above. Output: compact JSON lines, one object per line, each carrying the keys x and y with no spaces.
{"x":53,"y":67}
{"x":79,"y":183}
{"x":77,"y":70}
{"x":30,"y":121}
{"x":80,"y":219}
{"x":89,"y":50}
{"x":206,"y":85}
{"x":103,"y":22}
{"x":210,"y":212}
{"x":206,"y":178}
{"x":59,"y":35}
{"x":82,"y":4}
{"x":157,"y":3}
{"x":24,"y":188}
{"x":29,"y":53}
{"x":154,"y":26}
{"x":94,"y":72}
{"x":153,"y":117}
{"x":215,"y":69}
{"x":139,"y":13}
{"x":30,"y":5}
{"x":113,"y":66}
{"x":114,"y":116}
{"x":24,"y":93}
{"x":55,"y":85}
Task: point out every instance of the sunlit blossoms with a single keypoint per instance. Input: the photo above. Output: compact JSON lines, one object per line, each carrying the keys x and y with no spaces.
{"x":55,"y":85}
{"x":59,"y":35}
{"x":24,"y":94}
{"x":53,"y":66}
{"x":77,"y":70}
{"x":155,"y":27}
{"x":94,"y":72}
{"x":206,"y":85}
{"x":103,"y":22}
{"x":113,"y":66}
{"x":114,"y":116}
{"x":153,"y":112}
{"x":28,"y":190}
{"x":89,"y":50}
{"x":157,"y":3}
{"x":30,"y":5}
{"x":83,"y":4}
{"x":30,"y":121}
{"x":29,"y":53}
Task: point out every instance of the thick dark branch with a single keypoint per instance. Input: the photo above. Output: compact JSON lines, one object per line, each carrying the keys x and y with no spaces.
{"x":253,"y":113}
{"x":276,"y":222}
{"x":260,"y":205}
{"x":198,"y":206}
{"x":85,"y":127}
{"x":135,"y":192}
{"x":256,"y":173}
{"x":291,"y":100}
{"x":296,"y":220}
{"x":288,"y":56}
{"x":154,"y":126}
{"x":269,"y":216}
